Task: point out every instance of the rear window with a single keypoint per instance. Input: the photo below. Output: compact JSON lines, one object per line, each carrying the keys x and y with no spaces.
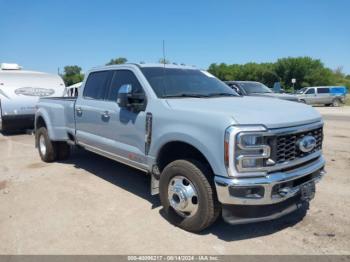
{"x":323,"y":90}
{"x":95,"y":87}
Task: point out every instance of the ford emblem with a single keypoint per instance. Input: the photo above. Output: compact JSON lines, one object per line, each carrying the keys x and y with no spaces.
{"x":307,"y":143}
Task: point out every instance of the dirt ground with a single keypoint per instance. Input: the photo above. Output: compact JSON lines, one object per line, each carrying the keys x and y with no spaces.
{"x":92,"y":205}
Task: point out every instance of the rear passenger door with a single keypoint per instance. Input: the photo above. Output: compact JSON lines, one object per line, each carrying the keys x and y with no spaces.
{"x":90,"y":110}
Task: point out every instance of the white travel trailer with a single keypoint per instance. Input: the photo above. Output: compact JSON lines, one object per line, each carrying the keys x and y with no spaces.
{"x":73,"y":90}
{"x":20,"y":91}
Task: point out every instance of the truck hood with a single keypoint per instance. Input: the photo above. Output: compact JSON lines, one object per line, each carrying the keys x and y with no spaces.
{"x":273,"y":113}
{"x":280,"y":96}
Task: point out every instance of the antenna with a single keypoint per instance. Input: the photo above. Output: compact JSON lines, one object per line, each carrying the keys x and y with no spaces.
{"x":164,"y":53}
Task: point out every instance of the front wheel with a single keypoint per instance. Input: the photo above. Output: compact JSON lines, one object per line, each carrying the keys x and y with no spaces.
{"x":188,"y":198}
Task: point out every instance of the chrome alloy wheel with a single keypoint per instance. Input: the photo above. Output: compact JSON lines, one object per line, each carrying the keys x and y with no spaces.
{"x":182,"y":196}
{"x":42,"y":145}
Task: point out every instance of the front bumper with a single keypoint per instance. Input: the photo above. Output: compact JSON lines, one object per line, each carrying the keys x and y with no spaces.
{"x":268,"y":191}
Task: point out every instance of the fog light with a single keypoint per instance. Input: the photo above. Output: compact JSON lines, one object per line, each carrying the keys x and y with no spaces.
{"x":247,"y":192}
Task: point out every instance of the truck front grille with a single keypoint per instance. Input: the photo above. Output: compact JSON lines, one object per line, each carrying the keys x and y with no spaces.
{"x":285,"y":147}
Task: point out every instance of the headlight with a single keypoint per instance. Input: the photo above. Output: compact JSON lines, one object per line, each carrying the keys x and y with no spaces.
{"x":246,"y":149}
{"x":250,"y":151}
{"x":250,"y":140}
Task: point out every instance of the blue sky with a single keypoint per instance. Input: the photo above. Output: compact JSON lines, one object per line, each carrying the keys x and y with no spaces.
{"x":47,"y":34}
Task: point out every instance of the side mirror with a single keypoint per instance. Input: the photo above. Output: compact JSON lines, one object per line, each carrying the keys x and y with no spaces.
{"x":128,"y":98}
{"x":124,"y":93}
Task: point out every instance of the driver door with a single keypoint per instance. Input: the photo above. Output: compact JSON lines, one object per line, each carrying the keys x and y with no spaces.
{"x":124,"y":133}
{"x":310,"y":96}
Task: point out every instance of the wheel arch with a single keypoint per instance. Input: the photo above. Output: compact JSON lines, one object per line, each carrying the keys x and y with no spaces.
{"x":42,"y":120}
{"x":177,"y":149}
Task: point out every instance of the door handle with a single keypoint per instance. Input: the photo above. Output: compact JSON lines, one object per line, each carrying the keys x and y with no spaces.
{"x":79,"y":111}
{"x":105,"y":115}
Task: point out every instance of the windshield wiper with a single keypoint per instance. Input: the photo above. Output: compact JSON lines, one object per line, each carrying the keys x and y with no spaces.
{"x":185,"y":95}
{"x":221,"y":94}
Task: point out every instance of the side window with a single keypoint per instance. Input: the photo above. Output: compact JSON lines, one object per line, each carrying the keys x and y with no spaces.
{"x":323,"y":90}
{"x":95,"y":87}
{"x":237,"y":89}
{"x":123,"y":77}
{"x":310,"y":91}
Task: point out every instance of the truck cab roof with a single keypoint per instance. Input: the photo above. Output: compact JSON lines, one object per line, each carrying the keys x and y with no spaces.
{"x":145,"y":65}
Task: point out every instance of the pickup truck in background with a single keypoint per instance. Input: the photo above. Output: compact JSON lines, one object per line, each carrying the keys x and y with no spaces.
{"x":252,"y":88}
{"x":323,"y":95}
{"x":209,"y":151}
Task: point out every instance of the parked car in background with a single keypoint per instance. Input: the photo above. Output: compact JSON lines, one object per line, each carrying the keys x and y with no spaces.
{"x":73,"y":90}
{"x":252,"y":88}
{"x":323,"y":95}
{"x":208,"y":150}
{"x":19,"y":93}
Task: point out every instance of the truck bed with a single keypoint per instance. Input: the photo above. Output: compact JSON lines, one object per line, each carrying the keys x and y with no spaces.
{"x":61,"y":111}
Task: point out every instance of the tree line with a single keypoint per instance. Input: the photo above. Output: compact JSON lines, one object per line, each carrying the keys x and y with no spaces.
{"x":306,"y":70}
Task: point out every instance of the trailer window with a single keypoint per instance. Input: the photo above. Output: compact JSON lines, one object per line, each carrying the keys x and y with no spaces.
{"x":95,"y":87}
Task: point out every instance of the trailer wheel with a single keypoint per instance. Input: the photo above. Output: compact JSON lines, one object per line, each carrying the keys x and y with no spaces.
{"x":188,"y":198}
{"x":2,"y":124}
{"x":48,"y":150}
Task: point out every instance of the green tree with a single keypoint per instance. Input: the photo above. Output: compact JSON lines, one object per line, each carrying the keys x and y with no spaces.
{"x":306,"y":70}
{"x":72,"y":75}
{"x":117,"y":61}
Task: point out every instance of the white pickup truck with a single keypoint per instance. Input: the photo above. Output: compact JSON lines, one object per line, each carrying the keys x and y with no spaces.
{"x":208,"y":150}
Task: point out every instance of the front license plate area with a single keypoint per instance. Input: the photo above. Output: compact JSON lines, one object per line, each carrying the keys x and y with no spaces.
{"x":308,"y":191}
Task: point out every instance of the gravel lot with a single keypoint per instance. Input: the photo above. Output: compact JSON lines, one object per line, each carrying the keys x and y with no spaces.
{"x":92,"y":205}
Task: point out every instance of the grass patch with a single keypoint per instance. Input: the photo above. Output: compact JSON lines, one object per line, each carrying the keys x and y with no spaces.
{"x":347,"y":101}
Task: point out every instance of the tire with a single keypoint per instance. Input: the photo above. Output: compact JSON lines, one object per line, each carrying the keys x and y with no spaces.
{"x":63,"y":151}
{"x":48,"y":150}
{"x":303,"y":101}
{"x":336,"y":103}
{"x":204,"y":205}
{"x":2,"y":124}
{"x":328,"y":104}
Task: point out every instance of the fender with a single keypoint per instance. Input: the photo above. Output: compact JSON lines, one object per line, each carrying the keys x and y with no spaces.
{"x":44,"y":115}
{"x":206,"y":151}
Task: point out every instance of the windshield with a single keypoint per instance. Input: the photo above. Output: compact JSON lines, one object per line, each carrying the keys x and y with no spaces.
{"x":174,"y":82}
{"x":254,"y":88}
{"x":301,"y":91}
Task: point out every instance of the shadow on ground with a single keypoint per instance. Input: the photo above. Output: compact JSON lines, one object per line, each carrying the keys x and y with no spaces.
{"x":17,"y":132}
{"x":130,"y":179}
{"x":138,"y":183}
{"x":228,"y":232}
